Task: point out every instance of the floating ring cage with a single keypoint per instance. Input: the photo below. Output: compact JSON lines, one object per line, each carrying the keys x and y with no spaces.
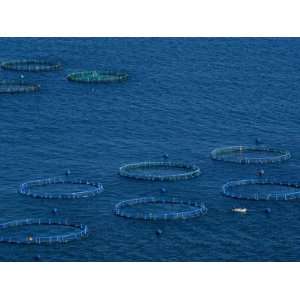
{"x":186,"y":171}
{"x":195,"y":210}
{"x":227,"y":190}
{"x":13,"y":87}
{"x":25,"y":188}
{"x":30,"y":65}
{"x":82,"y":231}
{"x":237,"y":154}
{"x":97,"y":77}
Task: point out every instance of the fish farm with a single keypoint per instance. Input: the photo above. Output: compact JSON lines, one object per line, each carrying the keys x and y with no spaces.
{"x":250,"y":154}
{"x":95,"y":188}
{"x":195,"y":209}
{"x":155,"y":171}
{"x":228,"y":190}
{"x":77,"y":234}
{"x":97,"y":77}
{"x":14,"y":87}
{"x":30,"y":65}
{"x":156,"y":140}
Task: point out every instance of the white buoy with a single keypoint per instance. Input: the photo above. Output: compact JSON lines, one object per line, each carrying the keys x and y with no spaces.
{"x":240,"y":210}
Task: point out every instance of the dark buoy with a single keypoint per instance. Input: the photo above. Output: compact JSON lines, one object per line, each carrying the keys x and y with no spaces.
{"x":261,"y":172}
{"x":68,"y":172}
{"x":159,"y":232}
{"x":166,"y":156}
{"x":268,"y":210}
{"x":37,"y":257}
{"x":258,"y":141}
{"x":54,"y":210}
{"x":163,"y":190}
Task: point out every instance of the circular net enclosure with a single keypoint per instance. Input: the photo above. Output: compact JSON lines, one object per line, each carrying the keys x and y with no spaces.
{"x":14,"y":87}
{"x":72,"y":189}
{"x":30,"y":65}
{"x":97,"y":77}
{"x":184,"y":209}
{"x":160,"y":171}
{"x":28,"y":231}
{"x":261,"y":189}
{"x":250,"y":154}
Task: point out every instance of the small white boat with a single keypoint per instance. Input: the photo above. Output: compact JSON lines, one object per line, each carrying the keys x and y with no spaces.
{"x":240,"y":210}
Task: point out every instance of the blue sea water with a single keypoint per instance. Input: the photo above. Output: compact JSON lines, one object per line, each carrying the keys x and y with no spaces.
{"x":184,"y":97}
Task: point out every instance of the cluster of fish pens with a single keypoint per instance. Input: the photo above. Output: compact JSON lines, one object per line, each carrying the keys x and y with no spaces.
{"x":37,"y":65}
{"x":134,"y":171}
{"x":272,"y":155}
{"x":94,"y":188}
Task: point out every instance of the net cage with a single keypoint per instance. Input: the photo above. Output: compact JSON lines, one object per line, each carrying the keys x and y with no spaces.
{"x":13,"y":87}
{"x":94,"y":188}
{"x":187,"y":171}
{"x":97,"y":77}
{"x":195,"y":209}
{"x":30,"y":65}
{"x":228,"y":190}
{"x":78,"y":231}
{"x":241,"y":154}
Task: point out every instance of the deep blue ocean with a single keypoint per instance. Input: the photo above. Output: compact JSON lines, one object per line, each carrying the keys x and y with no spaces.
{"x":184,"y":97}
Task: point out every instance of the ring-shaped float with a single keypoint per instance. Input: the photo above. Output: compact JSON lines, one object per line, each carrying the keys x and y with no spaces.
{"x":229,"y":186}
{"x":25,"y":188}
{"x":196,"y":209}
{"x":30,"y":65}
{"x":97,"y":77}
{"x":234,"y":154}
{"x":79,"y":232}
{"x":187,"y":171}
{"x":13,"y":87}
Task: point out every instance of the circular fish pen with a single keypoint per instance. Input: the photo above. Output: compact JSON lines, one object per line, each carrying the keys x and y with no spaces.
{"x":94,"y":188}
{"x":194,"y":209}
{"x":14,"y":87}
{"x":250,"y":154}
{"x":78,"y":231}
{"x":289,"y":190}
{"x":143,"y":171}
{"x":30,"y":65}
{"x":97,"y":77}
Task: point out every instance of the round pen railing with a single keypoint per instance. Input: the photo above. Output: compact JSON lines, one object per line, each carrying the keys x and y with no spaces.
{"x":78,"y":232}
{"x":188,"y":171}
{"x":227,"y":154}
{"x":228,"y":190}
{"x":195,"y":209}
{"x":30,"y":65}
{"x":97,"y":77}
{"x":26,"y":188}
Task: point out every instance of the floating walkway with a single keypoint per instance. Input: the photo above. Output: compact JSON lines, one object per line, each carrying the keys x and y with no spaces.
{"x":25,"y":188}
{"x":81,"y":231}
{"x":13,"y":87}
{"x":227,"y":154}
{"x":188,"y":171}
{"x":97,"y":77}
{"x":228,"y":190}
{"x":30,"y":65}
{"x":196,"y":209}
